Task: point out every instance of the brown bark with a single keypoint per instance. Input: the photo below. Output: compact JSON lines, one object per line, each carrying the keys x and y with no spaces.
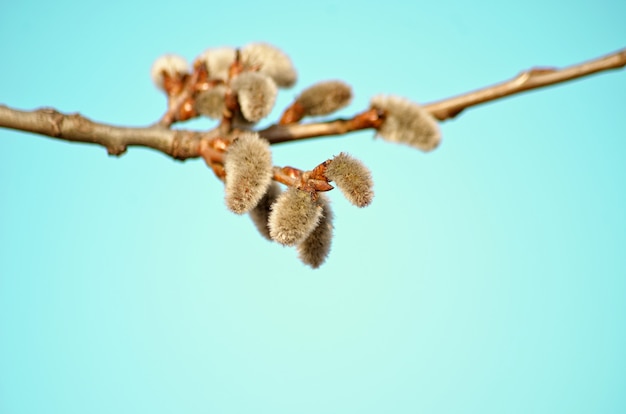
{"x":530,"y":79}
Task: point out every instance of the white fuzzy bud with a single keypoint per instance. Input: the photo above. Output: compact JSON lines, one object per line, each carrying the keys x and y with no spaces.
{"x":171,"y":64}
{"x":248,"y":167}
{"x":353,"y":179}
{"x":324,"y":98}
{"x":293,"y":217}
{"x":271,"y":61}
{"x":407,"y":122}
{"x":261,"y":212}
{"x":314,"y":249}
{"x":210,"y":103}
{"x":256,"y":94}
{"x":218,"y":61}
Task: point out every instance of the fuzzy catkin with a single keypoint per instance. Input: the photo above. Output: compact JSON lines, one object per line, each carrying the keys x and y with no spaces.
{"x":256,"y":93}
{"x":324,"y":98}
{"x":271,"y":61}
{"x":210,"y":103}
{"x":353,"y":179}
{"x":407,"y":122}
{"x":293,"y":217}
{"x":261,"y":212}
{"x":314,"y":250}
{"x":248,"y":167}
{"x":218,"y":61}
{"x":170,"y":64}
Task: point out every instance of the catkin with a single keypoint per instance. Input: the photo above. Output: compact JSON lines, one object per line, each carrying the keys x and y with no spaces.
{"x":261,"y":212}
{"x":210,"y":103}
{"x":218,"y":61}
{"x":248,"y":167}
{"x":407,"y":122}
{"x":170,"y":64}
{"x":314,"y":249}
{"x":256,"y":93}
{"x":353,"y":179}
{"x":270,"y":61}
{"x":324,"y":98}
{"x":293,"y":217}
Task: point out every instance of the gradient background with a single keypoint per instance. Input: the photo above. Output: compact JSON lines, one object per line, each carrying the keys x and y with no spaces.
{"x":488,"y":276}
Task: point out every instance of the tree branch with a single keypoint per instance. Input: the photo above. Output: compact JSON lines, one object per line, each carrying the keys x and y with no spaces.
{"x":183,"y":144}
{"x":530,"y":79}
{"x":179,"y":144}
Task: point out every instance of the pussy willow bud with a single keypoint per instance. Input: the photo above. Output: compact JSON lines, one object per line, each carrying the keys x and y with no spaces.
{"x":271,"y":61}
{"x":261,"y":212}
{"x":248,"y":167}
{"x":314,"y":249}
{"x":173,"y":65}
{"x":256,"y":93}
{"x":210,"y":103}
{"x":293,"y":217}
{"x":407,"y":122}
{"x":353,"y":179}
{"x":218,"y":61}
{"x":324,"y":98}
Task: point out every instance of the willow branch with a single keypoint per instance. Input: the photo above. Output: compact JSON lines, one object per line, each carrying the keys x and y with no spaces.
{"x":530,"y":79}
{"x":179,"y":144}
{"x":184,"y":144}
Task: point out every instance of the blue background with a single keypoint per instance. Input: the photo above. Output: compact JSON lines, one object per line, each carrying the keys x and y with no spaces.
{"x":487,"y":276}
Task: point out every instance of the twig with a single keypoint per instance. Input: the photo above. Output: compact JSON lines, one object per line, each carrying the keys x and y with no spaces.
{"x":276,"y":134}
{"x":180,"y":101}
{"x":213,"y":151}
{"x":531,"y":79}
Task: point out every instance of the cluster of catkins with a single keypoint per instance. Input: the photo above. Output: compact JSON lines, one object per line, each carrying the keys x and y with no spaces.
{"x":299,"y":217}
{"x":240,"y":85}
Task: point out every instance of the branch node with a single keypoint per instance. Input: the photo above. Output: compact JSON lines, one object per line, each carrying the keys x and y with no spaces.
{"x":184,"y":145}
{"x":116,"y":150}
{"x":55,"y":119}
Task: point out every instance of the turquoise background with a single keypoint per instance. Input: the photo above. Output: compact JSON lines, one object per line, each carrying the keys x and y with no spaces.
{"x":488,"y":276}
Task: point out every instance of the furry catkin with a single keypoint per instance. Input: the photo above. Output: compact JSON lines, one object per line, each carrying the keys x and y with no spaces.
{"x":293,"y":217}
{"x":256,"y":93}
{"x":170,"y":64}
{"x":271,"y":61}
{"x":248,"y":167}
{"x":407,"y":122}
{"x":353,"y":179}
{"x":314,"y":249}
{"x":218,"y":61}
{"x":324,"y":98}
{"x":210,"y":103}
{"x":261,"y":212}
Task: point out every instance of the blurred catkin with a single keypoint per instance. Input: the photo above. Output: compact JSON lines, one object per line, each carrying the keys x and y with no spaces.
{"x":407,"y":122}
{"x":270,"y":61}
{"x":210,"y":103}
{"x":256,"y":93}
{"x":353,"y":179}
{"x":170,"y":64}
{"x":324,"y":98}
{"x":248,"y":167}
{"x":314,"y":250}
{"x":218,"y":61}
{"x":293,"y":217}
